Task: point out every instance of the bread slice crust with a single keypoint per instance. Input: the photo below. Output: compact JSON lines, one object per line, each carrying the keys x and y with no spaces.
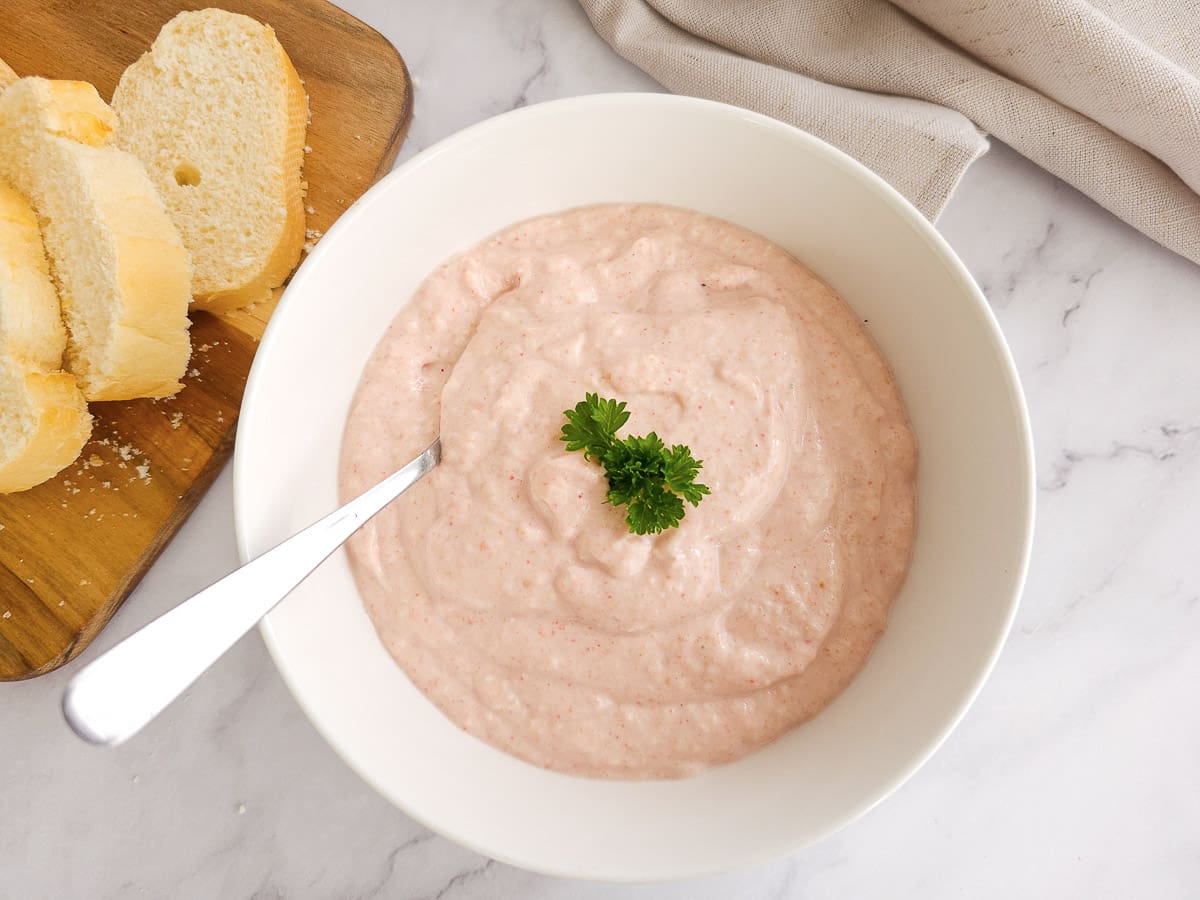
{"x":44,"y":422}
{"x":7,"y":75}
{"x":217,"y":113}
{"x":122,"y":272}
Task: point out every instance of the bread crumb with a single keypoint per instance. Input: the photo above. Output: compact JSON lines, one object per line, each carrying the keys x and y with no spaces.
{"x":106,"y":484}
{"x":193,"y":373}
{"x":204,"y":348}
{"x":95,"y":461}
{"x":310,"y":210}
{"x":126,"y":452}
{"x":62,"y":602}
{"x":307,"y":149}
{"x":7,"y":615}
{"x":176,"y":420}
{"x":83,"y":582}
{"x":143,"y":471}
{"x":241,"y":809}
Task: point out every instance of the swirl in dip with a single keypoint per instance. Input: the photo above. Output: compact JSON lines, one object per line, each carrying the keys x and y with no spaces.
{"x":517,"y":599}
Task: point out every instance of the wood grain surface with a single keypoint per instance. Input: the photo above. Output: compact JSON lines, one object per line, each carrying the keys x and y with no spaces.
{"x":73,"y":548}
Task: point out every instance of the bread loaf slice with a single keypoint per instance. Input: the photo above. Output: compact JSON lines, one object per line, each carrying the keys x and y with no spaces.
{"x":44,"y":421}
{"x":7,"y":75}
{"x":217,"y":114}
{"x":122,"y":272}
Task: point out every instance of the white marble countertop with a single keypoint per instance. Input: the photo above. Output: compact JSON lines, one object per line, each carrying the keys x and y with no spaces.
{"x":1076,"y":774}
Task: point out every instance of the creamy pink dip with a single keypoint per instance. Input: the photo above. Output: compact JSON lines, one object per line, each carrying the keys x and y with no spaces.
{"x":517,"y":600}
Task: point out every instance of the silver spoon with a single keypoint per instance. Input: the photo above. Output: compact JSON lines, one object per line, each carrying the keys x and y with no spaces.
{"x":114,"y":696}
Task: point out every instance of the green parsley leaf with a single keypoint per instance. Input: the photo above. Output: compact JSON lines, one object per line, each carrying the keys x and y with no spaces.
{"x":643,"y":475}
{"x":592,"y":426}
{"x":680,"y":471}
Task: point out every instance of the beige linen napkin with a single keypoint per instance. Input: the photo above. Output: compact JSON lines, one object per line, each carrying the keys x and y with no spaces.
{"x":1103,"y":94}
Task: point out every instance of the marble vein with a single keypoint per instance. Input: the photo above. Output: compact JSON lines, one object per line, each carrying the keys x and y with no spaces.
{"x":389,"y":868}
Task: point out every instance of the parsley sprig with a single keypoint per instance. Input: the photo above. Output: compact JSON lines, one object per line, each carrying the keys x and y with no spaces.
{"x":645,"y":475}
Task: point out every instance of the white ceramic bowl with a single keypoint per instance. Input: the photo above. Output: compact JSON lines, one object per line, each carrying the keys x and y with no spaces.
{"x":975,"y":502}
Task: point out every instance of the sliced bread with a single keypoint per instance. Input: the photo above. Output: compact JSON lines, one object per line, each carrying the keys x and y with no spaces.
{"x":122,"y":272}
{"x":217,"y":114}
{"x":7,"y":75}
{"x":44,"y":421}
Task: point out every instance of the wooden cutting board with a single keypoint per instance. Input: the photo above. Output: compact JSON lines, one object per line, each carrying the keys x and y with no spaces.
{"x":73,"y":548}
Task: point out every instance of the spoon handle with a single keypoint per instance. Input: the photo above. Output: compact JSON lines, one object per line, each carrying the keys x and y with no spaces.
{"x":118,"y":693}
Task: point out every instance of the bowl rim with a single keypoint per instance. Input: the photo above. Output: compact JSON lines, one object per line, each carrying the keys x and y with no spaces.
{"x":767,"y":850}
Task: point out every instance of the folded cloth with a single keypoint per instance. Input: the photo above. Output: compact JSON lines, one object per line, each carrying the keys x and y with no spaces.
{"x":1103,"y":94}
